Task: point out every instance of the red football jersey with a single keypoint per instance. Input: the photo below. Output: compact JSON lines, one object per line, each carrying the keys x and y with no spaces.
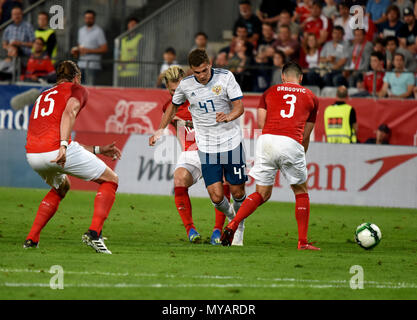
{"x":185,"y":135}
{"x":368,"y":81}
{"x":315,"y":25}
{"x":45,"y":120}
{"x":288,"y":107}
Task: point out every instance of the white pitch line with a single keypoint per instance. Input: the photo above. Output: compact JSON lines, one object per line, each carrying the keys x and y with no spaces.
{"x":164,"y":285}
{"x":314,"y":282}
{"x":202,"y":285}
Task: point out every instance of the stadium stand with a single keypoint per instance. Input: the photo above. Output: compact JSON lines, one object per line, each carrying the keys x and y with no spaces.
{"x":150,"y":37}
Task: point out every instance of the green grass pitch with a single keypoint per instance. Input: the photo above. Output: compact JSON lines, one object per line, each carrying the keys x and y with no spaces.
{"x":152,"y":259}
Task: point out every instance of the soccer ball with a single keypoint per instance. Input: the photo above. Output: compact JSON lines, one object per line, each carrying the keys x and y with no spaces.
{"x":368,"y":235}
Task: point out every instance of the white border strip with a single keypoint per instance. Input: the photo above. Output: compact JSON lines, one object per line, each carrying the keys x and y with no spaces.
{"x":280,"y":282}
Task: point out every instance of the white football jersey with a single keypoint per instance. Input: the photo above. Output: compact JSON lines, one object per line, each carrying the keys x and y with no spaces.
{"x":207,"y":100}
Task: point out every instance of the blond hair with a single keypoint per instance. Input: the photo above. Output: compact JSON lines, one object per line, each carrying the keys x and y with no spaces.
{"x":173,"y":74}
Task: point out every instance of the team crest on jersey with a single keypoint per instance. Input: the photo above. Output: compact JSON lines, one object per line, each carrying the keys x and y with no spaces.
{"x":216,"y":89}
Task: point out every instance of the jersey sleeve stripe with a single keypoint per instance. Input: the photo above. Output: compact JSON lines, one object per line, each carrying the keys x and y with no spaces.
{"x":237,"y":98}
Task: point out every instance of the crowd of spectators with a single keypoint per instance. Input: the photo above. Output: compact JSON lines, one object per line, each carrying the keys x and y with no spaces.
{"x":367,"y":45}
{"x":32,"y":52}
{"x":338,"y":43}
{"x":29,"y":51}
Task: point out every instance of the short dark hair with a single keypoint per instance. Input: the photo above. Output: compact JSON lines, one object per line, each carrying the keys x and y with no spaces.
{"x":245,"y":2}
{"x":67,"y":70}
{"x":241,"y":25}
{"x":377,"y":55}
{"x":285,"y":26}
{"x":380,"y":41}
{"x":282,"y":54}
{"x":201,"y":33}
{"x":89,"y":11}
{"x":361,"y":29}
{"x":44,"y":13}
{"x":198,"y":57}
{"x":318,"y":3}
{"x":170,"y":50}
{"x":384,"y":128}
{"x":343,"y":4}
{"x":39,"y":38}
{"x":393,"y":7}
{"x":392,"y":38}
{"x":340,"y":28}
{"x":399,"y":54}
{"x":133,"y":19}
{"x":292,"y":67}
{"x":286,"y":11}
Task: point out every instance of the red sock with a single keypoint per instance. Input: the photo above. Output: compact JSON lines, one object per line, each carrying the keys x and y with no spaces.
{"x":248,"y":206}
{"x":302,"y":214}
{"x":183,"y":204}
{"x":47,"y":209}
{"x":102,"y":205}
{"x":220,"y":216}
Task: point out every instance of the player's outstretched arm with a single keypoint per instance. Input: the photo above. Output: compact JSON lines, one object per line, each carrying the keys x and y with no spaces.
{"x":67,"y":123}
{"x":109,"y":150}
{"x":307,"y":132}
{"x":167,"y":117}
{"x":236,"y":112}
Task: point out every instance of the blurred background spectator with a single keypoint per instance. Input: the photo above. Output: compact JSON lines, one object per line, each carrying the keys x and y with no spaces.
{"x":318,"y":24}
{"x":6,"y":7}
{"x":383,"y":134}
{"x":333,"y":58}
{"x":369,"y":85}
{"x":267,"y":39}
{"x":393,"y":25}
{"x":330,"y":9}
{"x":91,"y":46}
{"x":392,"y":47}
{"x":340,"y":120}
{"x":287,"y":44}
{"x":8,"y":64}
{"x":285,"y":19}
{"x":408,"y":33}
{"x":201,"y":42}
{"x":398,"y":83}
{"x":269,"y":11}
{"x":39,"y":67}
{"x":376,"y":10}
{"x":47,"y":34}
{"x":310,"y":60}
{"x":252,"y":22}
{"x":19,"y":33}
{"x":170,"y":59}
{"x":279,"y":60}
{"x":129,"y":51}
{"x":359,"y":54}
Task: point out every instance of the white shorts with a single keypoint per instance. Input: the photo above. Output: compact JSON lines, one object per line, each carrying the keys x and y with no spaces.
{"x":80,"y":163}
{"x":275,"y":153}
{"x":191,"y":162}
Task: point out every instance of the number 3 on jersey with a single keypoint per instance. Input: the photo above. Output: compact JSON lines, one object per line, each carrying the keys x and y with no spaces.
{"x":289,"y":99}
{"x":45,"y":98}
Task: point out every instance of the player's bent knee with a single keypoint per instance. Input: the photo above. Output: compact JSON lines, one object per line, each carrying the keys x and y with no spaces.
{"x":299,"y":188}
{"x":266,"y":196}
{"x":64,"y":188}
{"x":216,"y":197}
{"x":108,"y":176}
{"x":182,"y":178}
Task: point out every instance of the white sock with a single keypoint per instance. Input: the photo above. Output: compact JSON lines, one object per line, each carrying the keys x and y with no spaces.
{"x":225,"y":207}
{"x":238,"y":202}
